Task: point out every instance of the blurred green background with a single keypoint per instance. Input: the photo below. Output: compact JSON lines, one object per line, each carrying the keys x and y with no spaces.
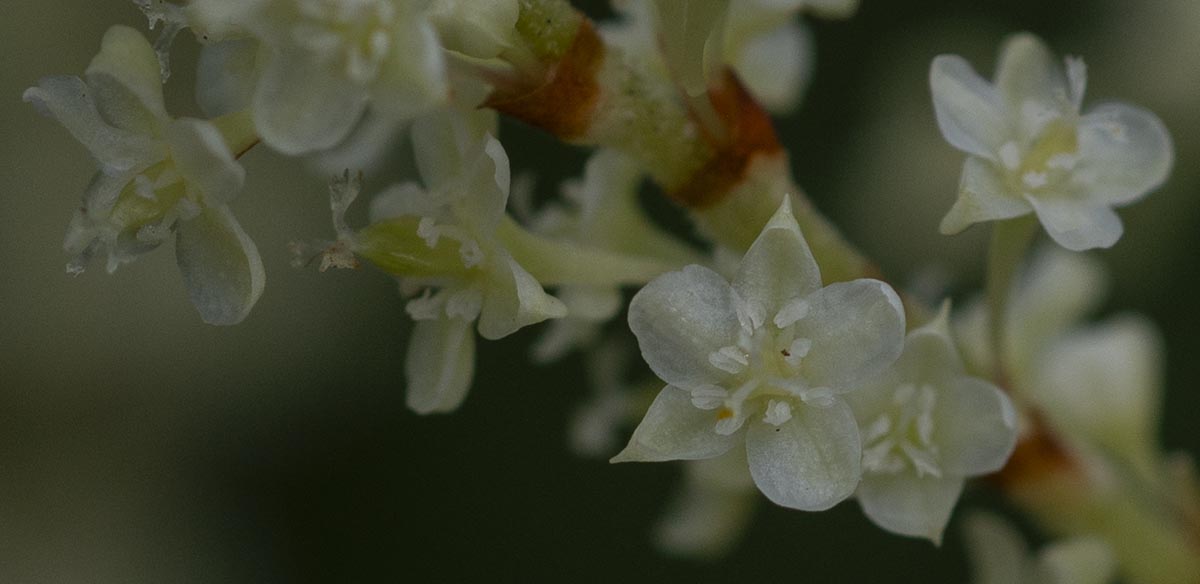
{"x":139,"y":445}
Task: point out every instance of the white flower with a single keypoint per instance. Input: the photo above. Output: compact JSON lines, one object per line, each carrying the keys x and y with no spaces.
{"x":926,"y":427}
{"x":999,"y":556}
{"x":320,"y":62}
{"x":765,"y":360}
{"x":158,"y":176}
{"x":445,"y":242}
{"x":1032,"y":151}
{"x":1101,"y":382}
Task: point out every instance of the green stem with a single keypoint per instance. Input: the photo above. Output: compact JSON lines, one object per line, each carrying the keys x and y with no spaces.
{"x":557,"y":263}
{"x":1010,"y":240}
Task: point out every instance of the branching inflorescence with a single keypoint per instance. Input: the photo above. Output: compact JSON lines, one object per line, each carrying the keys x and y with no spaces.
{"x":789,"y":365}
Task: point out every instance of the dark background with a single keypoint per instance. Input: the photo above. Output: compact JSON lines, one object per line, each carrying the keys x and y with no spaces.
{"x":139,"y":445}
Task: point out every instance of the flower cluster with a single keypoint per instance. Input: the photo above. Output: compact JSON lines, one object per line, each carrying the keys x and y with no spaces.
{"x":810,"y":383}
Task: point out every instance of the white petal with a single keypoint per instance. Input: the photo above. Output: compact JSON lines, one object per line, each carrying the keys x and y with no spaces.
{"x":857,"y":331}
{"x":1080,"y":560}
{"x":1124,"y":153}
{"x":811,"y":462}
{"x":1076,"y":224}
{"x":674,"y":429}
{"x":513,"y":299}
{"x":440,"y":365}
{"x":225,"y":76}
{"x":301,"y":106}
{"x":776,"y":67}
{"x":909,"y":505}
{"x":1105,"y":383}
{"x":779,"y":265}
{"x":708,"y":517}
{"x":997,"y":552}
{"x":69,"y":100}
{"x":204,"y":161}
{"x":1028,"y":70}
{"x":127,"y":80}
{"x":929,"y":357}
{"x":975,"y":427}
{"x":477,"y":29}
{"x":970,"y":112}
{"x":220,"y":266}
{"x":445,"y":142}
{"x":982,"y":196}
{"x":681,"y":318}
{"x":413,"y":80}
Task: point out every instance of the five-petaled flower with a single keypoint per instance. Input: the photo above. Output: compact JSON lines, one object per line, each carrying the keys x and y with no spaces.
{"x":158,"y":176}
{"x":1033,"y":151}
{"x":766,"y":360}
{"x":926,"y":427}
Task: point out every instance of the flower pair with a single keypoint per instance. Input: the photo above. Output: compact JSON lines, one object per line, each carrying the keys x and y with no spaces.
{"x":818,"y":383}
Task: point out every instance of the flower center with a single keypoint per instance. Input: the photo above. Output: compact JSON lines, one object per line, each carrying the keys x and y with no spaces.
{"x":902,"y":436}
{"x":1047,"y":162}
{"x":353,"y":34}
{"x":764,"y":367}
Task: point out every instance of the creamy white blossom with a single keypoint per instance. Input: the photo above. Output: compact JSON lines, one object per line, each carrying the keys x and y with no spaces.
{"x":158,"y":177}
{"x":1032,"y":149}
{"x":926,"y":427}
{"x":441,"y":240}
{"x":999,"y":556}
{"x":764,"y":360}
{"x":319,"y":63}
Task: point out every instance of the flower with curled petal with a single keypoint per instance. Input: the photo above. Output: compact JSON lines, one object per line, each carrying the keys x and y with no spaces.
{"x":926,"y":427}
{"x":764,"y":360}
{"x":1033,"y":151}
{"x":321,"y":62}
{"x":443,"y":242}
{"x":158,"y":177}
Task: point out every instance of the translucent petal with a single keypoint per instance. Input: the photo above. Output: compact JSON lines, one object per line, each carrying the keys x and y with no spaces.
{"x":218,"y":20}
{"x":1124,"y":153}
{"x":513,"y":299}
{"x":1105,"y":383}
{"x":220,"y":266}
{"x":779,"y":265}
{"x":974,"y":428}
{"x":1057,"y":290}
{"x":302,"y":106}
{"x":982,"y":196}
{"x":690,"y":33}
{"x":909,"y":505}
{"x":440,"y":364}
{"x":674,"y":429}
{"x":970,"y":112}
{"x":857,"y":331}
{"x":1028,"y":70}
{"x":445,"y":142}
{"x":69,"y":100}
{"x":929,"y":356}
{"x":126,"y":79}
{"x":225,"y":76}
{"x":1081,"y":560}
{"x":681,"y":318}
{"x":205,"y":162}
{"x":811,"y":462}
{"x":1076,"y":224}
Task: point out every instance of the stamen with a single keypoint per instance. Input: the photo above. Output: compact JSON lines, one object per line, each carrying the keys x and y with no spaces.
{"x":729,"y":359}
{"x":794,"y":310}
{"x":1010,"y":156}
{"x":777,"y":412}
